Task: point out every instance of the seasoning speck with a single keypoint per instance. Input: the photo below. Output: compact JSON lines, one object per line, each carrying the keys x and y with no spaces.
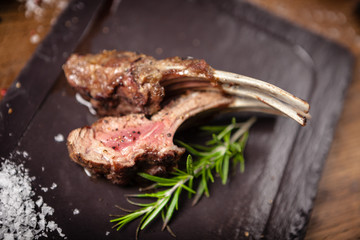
{"x":10,"y":111}
{"x":59,"y":138}
{"x":18,"y":85}
{"x":76,"y":211}
{"x":105,"y":30}
{"x":246,"y":234}
{"x":35,"y":38}
{"x":53,"y":186}
{"x":159,"y":51}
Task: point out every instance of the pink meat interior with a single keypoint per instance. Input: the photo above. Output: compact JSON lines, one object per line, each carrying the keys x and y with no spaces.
{"x":149,"y":134}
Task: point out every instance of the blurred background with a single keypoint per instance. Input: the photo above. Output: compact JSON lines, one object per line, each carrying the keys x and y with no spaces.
{"x":336,"y":213}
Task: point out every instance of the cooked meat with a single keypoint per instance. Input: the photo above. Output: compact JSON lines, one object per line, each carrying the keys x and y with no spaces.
{"x":118,"y":83}
{"x":119,"y":147}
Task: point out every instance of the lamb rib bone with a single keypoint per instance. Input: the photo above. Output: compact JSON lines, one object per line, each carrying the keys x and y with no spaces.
{"x":125,"y":82}
{"x":242,"y":86}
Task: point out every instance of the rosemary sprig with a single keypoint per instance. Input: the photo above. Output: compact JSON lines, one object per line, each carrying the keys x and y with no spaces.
{"x":228,"y":143}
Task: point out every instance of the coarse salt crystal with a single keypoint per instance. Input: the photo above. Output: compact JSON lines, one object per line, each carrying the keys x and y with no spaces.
{"x":53,"y":186}
{"x":52,"y":225}
{"x":76,"y":211}
{"x":20,"y":216}
{"x":8,"y":236}
{"x":59,"y":138}
{"x":25,"y":154}
{"x":39,"y":202}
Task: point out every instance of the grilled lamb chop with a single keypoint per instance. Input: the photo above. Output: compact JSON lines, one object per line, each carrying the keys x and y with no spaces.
{"x":119,"y":147}
{"x":118,"y":83}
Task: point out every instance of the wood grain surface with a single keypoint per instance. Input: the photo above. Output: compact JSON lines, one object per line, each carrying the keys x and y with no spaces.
{"x":336,"y":213}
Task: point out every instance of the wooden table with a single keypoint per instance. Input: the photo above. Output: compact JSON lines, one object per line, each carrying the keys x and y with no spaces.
{"x":336,"y":213}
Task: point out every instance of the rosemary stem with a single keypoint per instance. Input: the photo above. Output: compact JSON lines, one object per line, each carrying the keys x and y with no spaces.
{"x":246,"y":126}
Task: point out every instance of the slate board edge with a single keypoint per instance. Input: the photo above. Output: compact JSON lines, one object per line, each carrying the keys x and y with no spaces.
{"x":251,"y":13}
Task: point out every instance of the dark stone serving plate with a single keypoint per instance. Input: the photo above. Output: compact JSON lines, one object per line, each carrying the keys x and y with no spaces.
{"x":272,"y":199}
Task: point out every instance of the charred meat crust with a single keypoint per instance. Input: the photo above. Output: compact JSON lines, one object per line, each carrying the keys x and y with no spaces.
{"x":117,"y":174}
{"x":119,"y":83}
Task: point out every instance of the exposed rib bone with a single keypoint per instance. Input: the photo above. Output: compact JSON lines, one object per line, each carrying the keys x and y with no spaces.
{"x":222,"y":77}
{"x":232,"y":78}
{"x":291,"y":107}
{"x":251,"y":105}
{"x":288,"y":110}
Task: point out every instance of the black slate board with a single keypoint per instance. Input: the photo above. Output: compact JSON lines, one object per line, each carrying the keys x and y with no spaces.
{"x":272,"y":199}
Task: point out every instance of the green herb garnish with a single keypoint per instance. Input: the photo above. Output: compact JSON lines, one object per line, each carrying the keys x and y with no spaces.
{"x":227,"y":144}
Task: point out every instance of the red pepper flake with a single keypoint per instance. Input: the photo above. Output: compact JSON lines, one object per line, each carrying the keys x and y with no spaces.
{"x":10,"y":111}
{"x":3,"y":92}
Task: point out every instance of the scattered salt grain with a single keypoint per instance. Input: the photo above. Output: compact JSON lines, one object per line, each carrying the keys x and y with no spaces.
{"x":60,"y":232}
{"x":25,"y":154}
{"x":76,"y":211}
{"x":42,"y":169}
{"x":20,"y":216}
{"x":59,"y":137}
{"x":107,"y":233}
{"x":44,"y":189}
{"x":53,"y":186}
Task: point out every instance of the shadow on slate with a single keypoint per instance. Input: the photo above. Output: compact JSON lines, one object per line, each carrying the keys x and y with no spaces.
{"x":273,"y":198}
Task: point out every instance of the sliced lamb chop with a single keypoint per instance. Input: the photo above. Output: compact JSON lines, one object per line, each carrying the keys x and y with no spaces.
{"x":125,"y":82}
{"x":119,"y":147}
